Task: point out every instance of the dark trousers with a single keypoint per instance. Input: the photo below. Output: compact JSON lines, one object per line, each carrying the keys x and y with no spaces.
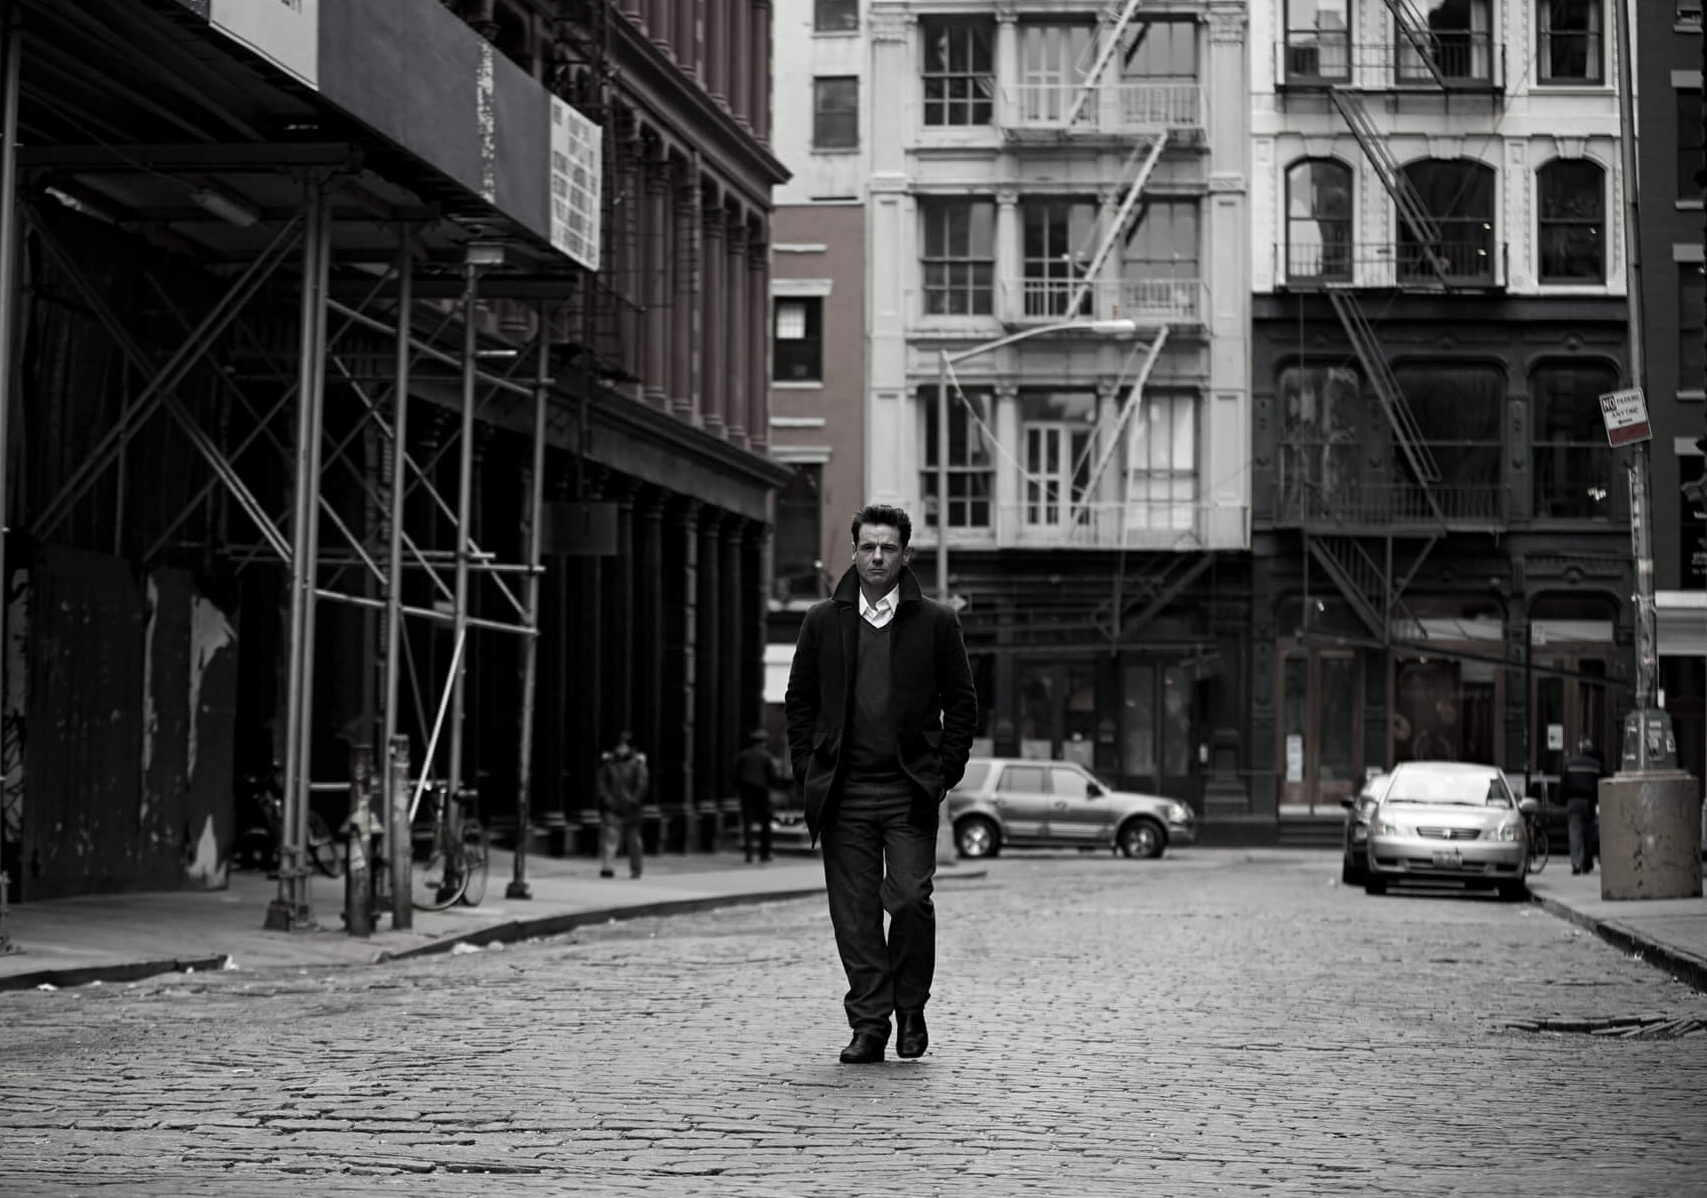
{"x":619,"y":830}
{"x":1584,"y":830}
{"x":756,"y":816}
{"x":877,"y":861}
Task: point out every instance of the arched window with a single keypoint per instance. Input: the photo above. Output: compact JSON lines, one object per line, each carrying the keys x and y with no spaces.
{"x":1572,"y":464}
{"x":1573,"y":221}
{"x":1458,"y":196}
{"x":1318,"y":221}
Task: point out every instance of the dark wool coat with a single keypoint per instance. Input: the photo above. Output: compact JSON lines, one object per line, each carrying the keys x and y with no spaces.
{"x":932,"y":702}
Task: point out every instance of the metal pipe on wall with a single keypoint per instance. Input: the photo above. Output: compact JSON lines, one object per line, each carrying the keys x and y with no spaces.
{"x":8,"y":274}
{"x":397,"y":829}
{"x":518,"y":887}
{"x":464,"y":509}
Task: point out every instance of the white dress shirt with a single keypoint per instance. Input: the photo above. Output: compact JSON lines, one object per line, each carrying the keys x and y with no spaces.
{"x":880,"y":613}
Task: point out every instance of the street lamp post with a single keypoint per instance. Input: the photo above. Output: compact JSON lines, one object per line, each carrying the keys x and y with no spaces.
{"x":1106,"y":328}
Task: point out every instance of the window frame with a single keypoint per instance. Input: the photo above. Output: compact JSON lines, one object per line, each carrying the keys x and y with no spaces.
{"x":1047,"y":277}
{"x":1560,"y":225}
{"x":835,"y":16}
{"x":1477,"y":48}
{"x":960,"y":88}
{"x":1325,"y":273}
{"x":1176,"y":506}
{"x":1691,"y":150}
{"x":1294,"y":51}
{"x":1546,"y":450}
{"x":803,"y":493}
{"x":810,"y":343}
{"x":1691,"y":325}
{"x":971,"y":473}
{"x":824,"y":87}
{"x":1593,"y":36}
{"x":1457,"y":253}
{"x":970,"y":276}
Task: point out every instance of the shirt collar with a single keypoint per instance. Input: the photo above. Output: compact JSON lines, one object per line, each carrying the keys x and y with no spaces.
{"x":886,"y":604}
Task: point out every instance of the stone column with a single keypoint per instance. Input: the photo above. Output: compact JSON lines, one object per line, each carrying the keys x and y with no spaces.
{"x":1007,"y":67}
{"x":1009,"y":485}
{"x":659,"y":283}
{"x":758,"y":338}
{"x":648,"y":652}
{"x":732,"y":646}
{"x":619,"y":631}
{"x":688,"y":38}
{"x":755,"y":539}
{"x":1010,"y":255}
{"x":684,"y":703}
{"x":760,"y":104}
{"x":707,"y":671}
{"x":686,"y":333}
{"x":717,"y":49}
{"x":660,"y":23}
{"x":740,"y":86}
{"x":714,"y":301}
{"x":735,"y":332}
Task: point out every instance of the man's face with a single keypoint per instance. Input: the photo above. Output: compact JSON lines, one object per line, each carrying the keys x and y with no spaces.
{"x":879,"y":557}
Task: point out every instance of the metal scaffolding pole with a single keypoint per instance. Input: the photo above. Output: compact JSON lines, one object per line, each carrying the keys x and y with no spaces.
{"x":464,"y":512}
{"x":397,"y":822}
{"x":292,"y":909}
{"x":8,"y":275}
{"x":518,"y":887}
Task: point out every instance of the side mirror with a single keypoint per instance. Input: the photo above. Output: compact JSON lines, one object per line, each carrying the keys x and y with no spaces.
{"x":1093,"y":790}
{"x":1528,"y":806}
{"x":1347,"y":802}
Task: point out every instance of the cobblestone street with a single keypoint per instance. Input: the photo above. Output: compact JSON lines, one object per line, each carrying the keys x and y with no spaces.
{"x":1215,"y":1022}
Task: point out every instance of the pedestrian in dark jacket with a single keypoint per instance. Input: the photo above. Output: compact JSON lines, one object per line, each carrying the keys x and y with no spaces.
{"x":1581,"y":790}
{"x":881,"y":714}
{"x":623,"y":781}
{"x":756,"y":771}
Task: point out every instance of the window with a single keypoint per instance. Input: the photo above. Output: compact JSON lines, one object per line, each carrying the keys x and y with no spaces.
{"x":1318,"y":39}
{"x":959,"y":71}
{"x":835,"y":113}
{"x":1459,"y":195}
{"x":1689,"y":13}
{"x":1318,"y":221}
{"x":970,"y":471}
{"x":1160,"y":51}
{"x":1456,"y":35}
{"x":1163,"y":242}
{"x":960,"y":257}
{"x":1457,"y":408}
{"x":1057,"y":235}
{"x":1689,"y":143}
{"x":799,"y":344}
{"x":1053,"y":59}
{"x":835,"y":16}
{"x":1057,"y":427}
{"x":1321,"y":412}
{"x":1069,"y":784}
{"x":1161,"y":463}
{"x":1691,"y":310}
{"x":1023,"y":779}
{"x":1573,"y":217}
{"x":1572,"y":461}
{"x":1568,"y":40}
{"x":796,"y":550}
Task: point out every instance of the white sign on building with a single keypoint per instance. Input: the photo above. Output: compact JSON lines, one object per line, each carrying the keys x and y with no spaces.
{"x":285,"y":32}
{"x":576,"y":155}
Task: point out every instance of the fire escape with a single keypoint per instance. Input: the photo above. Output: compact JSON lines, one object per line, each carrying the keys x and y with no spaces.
{"x":1373,"y":544}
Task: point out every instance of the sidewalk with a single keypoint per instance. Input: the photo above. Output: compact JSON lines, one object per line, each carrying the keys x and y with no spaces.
{"x":1669,"y":933}
{"x":121,"y":937}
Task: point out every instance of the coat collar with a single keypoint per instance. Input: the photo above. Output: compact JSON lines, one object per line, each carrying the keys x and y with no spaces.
{"x":847,"y":590}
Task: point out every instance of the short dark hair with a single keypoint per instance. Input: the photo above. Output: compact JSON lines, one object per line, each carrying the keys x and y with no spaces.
{"x":883,"y":513}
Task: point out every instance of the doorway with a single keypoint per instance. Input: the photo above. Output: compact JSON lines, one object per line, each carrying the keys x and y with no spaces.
{"x":1320,"y":730}
{"x":1162,"y":706}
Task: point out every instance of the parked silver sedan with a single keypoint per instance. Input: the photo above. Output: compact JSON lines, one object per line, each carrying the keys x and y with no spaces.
{"x":1447,"y":820}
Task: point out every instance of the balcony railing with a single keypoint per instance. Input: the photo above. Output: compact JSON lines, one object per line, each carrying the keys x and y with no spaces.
{"x":1146,"y":301}
{"x":1109,"y":110}
{"x":1325,"y":58}
{"x":1478,"y":263}
{"x":1311,"y":505}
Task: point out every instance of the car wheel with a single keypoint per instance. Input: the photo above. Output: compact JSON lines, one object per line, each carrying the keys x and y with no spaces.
{"x":976,"y":836}
{"x":1514,"y":892}
{"x":1374,"y":885}
{"x":1142,"y":838}
{"x":1350,"y":875}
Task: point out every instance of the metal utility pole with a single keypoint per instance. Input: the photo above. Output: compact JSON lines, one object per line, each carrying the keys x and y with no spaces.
{"x":518,"y":887}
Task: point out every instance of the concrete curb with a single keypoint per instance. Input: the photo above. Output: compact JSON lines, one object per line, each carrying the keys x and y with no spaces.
{"x":122,"y":971}
{"x":1685,"y":967}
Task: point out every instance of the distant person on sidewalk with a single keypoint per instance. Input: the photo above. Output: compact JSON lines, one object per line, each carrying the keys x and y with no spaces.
{"x":756,"y":771}
{"x":881,"y":713}
{"x":1581,"y":790}
{"x":622,"y":791}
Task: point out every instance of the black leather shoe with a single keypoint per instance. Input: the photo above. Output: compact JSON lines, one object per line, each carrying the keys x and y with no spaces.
{"x":866,"y":1048}
{"x":911,"y":1038}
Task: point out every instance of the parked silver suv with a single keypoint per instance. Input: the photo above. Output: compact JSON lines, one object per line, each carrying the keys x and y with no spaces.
{"x":1006,"y":802}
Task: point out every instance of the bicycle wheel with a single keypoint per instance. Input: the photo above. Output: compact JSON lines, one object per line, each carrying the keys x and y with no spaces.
{"x":1539,"y":850}
{"x":435,"y":883}
{"x":323,"y":847}
{"x":473,"y":863}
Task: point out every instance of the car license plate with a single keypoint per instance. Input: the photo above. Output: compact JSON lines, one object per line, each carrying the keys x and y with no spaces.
{"x":1449,"y":857}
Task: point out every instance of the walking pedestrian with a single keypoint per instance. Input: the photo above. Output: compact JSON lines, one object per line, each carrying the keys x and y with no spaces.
{"x":1581,"y":790}
{"x":881,"y":713}
{"x":623,"y":781}
{"x":756,"y":772}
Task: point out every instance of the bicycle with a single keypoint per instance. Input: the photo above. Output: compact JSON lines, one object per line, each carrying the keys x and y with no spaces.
{"x":454,"y":868}
{"x":258,"y":847}
{"x":1539,"y":848}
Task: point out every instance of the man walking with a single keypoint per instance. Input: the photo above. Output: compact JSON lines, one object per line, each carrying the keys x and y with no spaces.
{"x":623,"y":780}
{"x":755,"y":773}
{"x":881,"y":713}
{"x":1581,"y":788}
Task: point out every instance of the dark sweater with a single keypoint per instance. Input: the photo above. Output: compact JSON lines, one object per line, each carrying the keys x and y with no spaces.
{"x":873,"y":767}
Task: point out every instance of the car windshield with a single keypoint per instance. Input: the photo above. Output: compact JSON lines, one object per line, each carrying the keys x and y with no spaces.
{"x":1449,"y":789}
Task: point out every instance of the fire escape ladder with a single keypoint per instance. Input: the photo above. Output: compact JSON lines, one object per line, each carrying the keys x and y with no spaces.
{"x":1413,"y":28}
{"x":1110,"y":47}
{"x":1157,"y":590}
{"x":1406,"y":431}
{"x":1358,"y":576}
{"x":1406,"y":201}
{"x":1137,"y":169}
